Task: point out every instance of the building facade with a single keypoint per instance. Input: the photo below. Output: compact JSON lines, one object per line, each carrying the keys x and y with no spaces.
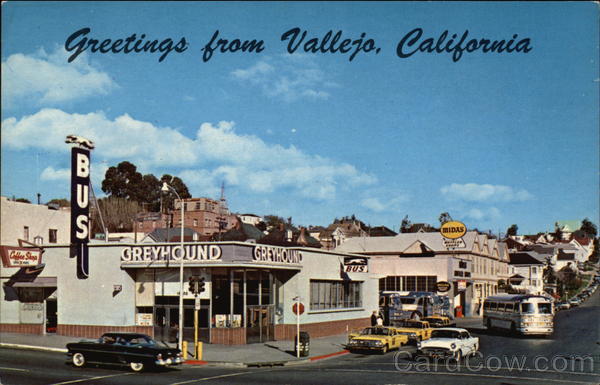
{"x":416,"y":261}
{"x":34,"y":223}
{"x":249,"y":292}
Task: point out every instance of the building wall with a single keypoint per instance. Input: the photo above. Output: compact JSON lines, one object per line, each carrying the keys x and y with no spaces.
{"x":14,"y":216}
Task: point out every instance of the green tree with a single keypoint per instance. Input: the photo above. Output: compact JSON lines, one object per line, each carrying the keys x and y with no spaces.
{"x":589,"y":228}
{"x":118,"y":214}
{"x":595,"y":257}
{"x":512,"y":230}
{"x":405,"y":225}
{"x":123,"y":181}
{"x":558,"y":232}
{"x":179,"y":186}
{"x":444,"y":217}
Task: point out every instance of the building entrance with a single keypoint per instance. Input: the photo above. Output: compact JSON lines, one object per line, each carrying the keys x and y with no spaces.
{"x":260,"y":323}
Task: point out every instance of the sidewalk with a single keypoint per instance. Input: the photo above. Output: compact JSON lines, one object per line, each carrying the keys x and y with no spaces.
{"x":272,"y":353}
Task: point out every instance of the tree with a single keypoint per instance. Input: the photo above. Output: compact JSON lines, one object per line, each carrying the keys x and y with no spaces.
{"x":179,"y":186}
{"x":405,"y":225}
{"x":589,"y":228}
{"x":512,"y":230}
{"x":123,"y":181}
{"x":444,"y":217}
{"x":558,"y":233}
{"x":548,"y":272}
{"x":118,"y":214}
{"x":22,"y":200}
{"x":596,"y":253}
{"x":61,"y":202}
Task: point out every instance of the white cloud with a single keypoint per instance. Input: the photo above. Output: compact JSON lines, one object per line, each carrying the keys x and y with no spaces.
{"x":473,"y":192}
{"x":290,"y":77}
{"x":373,"y":204}
{"x":216,"y":153}
{"x":489,"y":214}
{"x":392,"y":205}
{"x":50,"y":174}
{"x":48,"y":79}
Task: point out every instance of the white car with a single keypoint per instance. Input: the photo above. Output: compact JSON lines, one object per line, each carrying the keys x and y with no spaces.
{"x":448,"y":343}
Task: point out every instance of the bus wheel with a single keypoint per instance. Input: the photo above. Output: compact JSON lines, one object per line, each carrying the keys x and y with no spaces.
{"x":513,"y":328}
{"x":488,"y":324}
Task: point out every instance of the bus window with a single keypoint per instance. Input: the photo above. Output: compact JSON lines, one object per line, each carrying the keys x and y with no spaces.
{"x":509,"y":307}
{"x":500,"y":307}
{"x":527,"y":308}
{"x":382,"y":300}
{"x":545,"y":308}
{"x":493,"y":306}
{"x":486,"y":305}
{"x":407,"y":300}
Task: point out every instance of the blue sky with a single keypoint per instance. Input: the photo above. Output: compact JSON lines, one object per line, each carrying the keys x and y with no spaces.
{"x":493,"y":139}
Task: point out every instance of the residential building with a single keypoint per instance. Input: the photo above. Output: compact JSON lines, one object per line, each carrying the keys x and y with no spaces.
{"x":526,"y":273}
{"x":250,"y":219}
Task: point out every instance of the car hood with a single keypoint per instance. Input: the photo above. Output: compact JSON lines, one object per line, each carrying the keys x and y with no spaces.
{"x":369,"y":338}
{"x":439,"y":343}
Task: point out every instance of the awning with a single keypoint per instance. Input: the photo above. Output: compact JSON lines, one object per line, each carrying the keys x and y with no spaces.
{"x":38,"y":282}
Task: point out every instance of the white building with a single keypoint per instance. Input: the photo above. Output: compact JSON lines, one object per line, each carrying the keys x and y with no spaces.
{"x":526,"y":273}
{"x":35,"y":223}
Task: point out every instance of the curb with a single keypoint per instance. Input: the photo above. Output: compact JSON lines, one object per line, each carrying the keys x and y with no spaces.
{"x":31,"y":347}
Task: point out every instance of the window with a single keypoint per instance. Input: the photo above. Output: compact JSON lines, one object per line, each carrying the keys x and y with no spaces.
{"x":195,"y":222}
{"x":462,"y":265}
{"x":509,"y":307}
{"x":335,"y":294}
{"x":52,"y":236}
{"x":533,"y":270}
{"x":26,"y":233}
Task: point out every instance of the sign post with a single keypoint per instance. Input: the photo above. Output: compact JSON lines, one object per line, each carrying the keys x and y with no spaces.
{"x":196,"y":308}
{"x":298,"y":308}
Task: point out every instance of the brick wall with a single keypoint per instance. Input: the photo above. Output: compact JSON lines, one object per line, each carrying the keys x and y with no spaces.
{"x":226,"y":336}
{"x":320,"y":329}
{"x":95,"y":331}
{"x":22,"y":328}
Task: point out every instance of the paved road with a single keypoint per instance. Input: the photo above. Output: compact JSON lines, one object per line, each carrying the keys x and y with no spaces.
{"x":577,"y":333}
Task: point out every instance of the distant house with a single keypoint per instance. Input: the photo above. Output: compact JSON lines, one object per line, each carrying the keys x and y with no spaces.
{"x":526,"y":273}
{"x":565,"y":259}
{"x":241,"y":232}
{"x":173,"y":235}
{"x":287,"y":237}
{"x":250,"y":219}
{"x":381,"y":231}
{"x":337,"y":233}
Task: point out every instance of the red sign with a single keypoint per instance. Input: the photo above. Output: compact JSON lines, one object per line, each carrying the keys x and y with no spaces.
{"x":20,"y":256}
{"x":295,"y":308}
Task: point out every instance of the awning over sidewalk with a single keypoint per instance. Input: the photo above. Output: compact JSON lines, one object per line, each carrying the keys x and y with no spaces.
{"x":38,"y":282}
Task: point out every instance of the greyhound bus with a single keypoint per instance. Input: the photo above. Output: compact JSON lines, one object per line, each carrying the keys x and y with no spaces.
{"x":521,"y":313}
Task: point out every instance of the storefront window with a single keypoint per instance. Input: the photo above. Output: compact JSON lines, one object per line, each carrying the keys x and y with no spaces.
{"x":335,"y":294}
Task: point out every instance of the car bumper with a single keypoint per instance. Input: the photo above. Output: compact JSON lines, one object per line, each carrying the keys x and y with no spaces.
{"x":169,"y":361}
{"x":535,"y":330}
{"x":436,"y":353}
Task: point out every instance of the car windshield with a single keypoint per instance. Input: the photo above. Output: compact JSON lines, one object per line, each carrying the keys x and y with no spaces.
{"x":410,"y":324}
{"x":127,"y":340}
{"x":376,"y":332}
{"x":445,"y":334}
{"x":407,"y":300}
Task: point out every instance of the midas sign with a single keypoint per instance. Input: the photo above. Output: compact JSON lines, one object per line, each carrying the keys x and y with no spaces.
{"x":453,"y":230}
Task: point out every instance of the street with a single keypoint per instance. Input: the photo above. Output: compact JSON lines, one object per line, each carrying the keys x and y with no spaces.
{"x":570,"y":356}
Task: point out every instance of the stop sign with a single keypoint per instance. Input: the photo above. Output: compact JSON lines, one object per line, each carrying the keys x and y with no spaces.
{"x":298,"y":309}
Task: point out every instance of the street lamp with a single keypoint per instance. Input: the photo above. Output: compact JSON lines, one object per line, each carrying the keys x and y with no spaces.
{"x":167,"y":188}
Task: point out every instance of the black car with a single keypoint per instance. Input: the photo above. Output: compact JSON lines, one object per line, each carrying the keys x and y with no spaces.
{"x":137,"y":350}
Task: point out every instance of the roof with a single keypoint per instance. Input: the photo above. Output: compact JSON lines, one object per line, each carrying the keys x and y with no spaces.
{"x":562,"y":256}
{"x":523,"y":258}
{"x":381,"y":231}
{"x":241,"y":232}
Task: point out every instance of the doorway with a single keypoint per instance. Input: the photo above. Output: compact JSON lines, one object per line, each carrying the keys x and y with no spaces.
{"x":260,"y":326}
{"x":51,"y":318}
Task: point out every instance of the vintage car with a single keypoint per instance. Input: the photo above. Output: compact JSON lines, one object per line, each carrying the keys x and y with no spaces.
{"x":378,"y":338}
{"x":448,"y":343}
{"x":439,"y":321}
{"x":139,"y":351}
{"x":416,"y":330}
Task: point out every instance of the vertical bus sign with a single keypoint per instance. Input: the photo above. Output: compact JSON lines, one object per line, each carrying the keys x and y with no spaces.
{"x":80,"y":182}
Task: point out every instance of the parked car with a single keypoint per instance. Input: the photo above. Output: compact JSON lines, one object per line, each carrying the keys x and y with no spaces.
{"x":448,"y":343}
{"x":417,"y":330}
{"x":574,"y":302}
{"x":377,"y":338}
{"x":562,"y":306}
{"x":139,"y":351}
{"x":439,"y":321}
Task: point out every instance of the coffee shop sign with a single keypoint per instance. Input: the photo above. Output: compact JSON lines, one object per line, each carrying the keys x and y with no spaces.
{"x":171,"y":253}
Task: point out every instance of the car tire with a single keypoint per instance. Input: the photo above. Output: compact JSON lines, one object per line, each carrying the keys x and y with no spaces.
{"x":384,"y":349}
{"x":78,"y":360}
{"x":136,"y":366}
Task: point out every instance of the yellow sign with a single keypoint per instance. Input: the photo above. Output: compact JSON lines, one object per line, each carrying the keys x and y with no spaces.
{"x":453,"y":230}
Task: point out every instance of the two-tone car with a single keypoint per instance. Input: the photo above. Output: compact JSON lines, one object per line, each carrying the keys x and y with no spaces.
{"x":136,"y":350}
{"x":416,"y":330}
{"x":376,"y":338}
{"x":448,"y":343}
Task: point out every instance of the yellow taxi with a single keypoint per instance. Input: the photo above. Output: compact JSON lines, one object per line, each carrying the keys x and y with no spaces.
{"x":416,"y":330}
{"x":439,"y":321}
{"x":376,"y":338}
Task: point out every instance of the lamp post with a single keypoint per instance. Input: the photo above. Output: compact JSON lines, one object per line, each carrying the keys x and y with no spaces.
{"x":167,"y":188}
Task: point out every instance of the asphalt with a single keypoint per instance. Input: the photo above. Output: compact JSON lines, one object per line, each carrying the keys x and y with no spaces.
{"x":272,"y":353}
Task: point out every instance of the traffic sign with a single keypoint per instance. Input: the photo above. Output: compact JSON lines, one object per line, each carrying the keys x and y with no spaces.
{"x":298,"y":310}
